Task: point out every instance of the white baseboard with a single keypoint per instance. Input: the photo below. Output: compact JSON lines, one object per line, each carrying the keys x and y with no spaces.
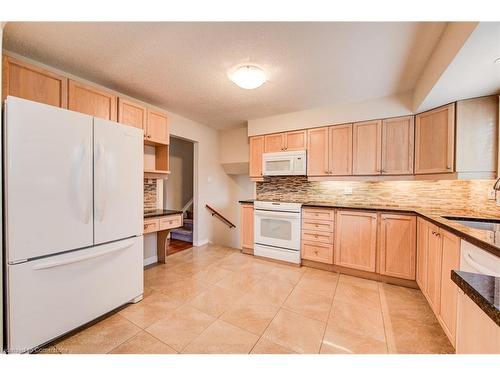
{"x":200,"y":243}
{"x":150,"y":260}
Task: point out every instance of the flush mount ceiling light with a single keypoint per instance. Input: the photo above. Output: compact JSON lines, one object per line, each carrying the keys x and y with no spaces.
{"x":248,"y":77}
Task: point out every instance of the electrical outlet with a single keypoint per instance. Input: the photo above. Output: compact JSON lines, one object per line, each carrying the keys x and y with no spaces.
{"x":492,"y":194}
{"x":348,"y":191}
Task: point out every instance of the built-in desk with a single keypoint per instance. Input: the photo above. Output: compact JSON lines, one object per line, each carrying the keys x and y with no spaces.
{"x":161,"y":222}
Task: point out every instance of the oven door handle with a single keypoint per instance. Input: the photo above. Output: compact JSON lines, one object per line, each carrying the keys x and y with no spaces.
{"x":278,"y":214}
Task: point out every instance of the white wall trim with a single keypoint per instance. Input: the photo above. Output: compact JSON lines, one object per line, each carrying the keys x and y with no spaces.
{"x":150,"y":260}
{"x":201,"y":242}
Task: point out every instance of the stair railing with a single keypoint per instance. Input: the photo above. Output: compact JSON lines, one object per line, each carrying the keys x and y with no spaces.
{"x":220,"y":217}
{"x":186,"y":206}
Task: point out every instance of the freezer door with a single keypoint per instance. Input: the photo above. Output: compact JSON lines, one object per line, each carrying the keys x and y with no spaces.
{"x":118,"y":181}
{"x":51,"y":296}
{"x":48,"y":169}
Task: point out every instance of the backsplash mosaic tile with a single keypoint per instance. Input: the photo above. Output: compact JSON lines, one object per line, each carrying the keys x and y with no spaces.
{"x":149,"y":194}
{"x":452,"y":195}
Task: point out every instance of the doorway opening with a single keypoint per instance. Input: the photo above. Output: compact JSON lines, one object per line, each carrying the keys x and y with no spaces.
{"x":178,"y":192}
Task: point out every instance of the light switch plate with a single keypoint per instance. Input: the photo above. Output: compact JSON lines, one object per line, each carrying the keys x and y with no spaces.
{"x":348,"y":191}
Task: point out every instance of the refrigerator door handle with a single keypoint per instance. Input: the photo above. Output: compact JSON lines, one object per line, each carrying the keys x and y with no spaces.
{"x":81,"y":185}
{"x":101,"y":181}
{"x":63,"y":262}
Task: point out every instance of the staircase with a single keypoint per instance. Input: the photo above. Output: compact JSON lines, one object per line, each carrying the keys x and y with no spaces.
{"x":185,"y":233}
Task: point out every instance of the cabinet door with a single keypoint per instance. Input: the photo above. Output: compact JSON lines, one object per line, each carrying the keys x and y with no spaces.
{"x":356,"y":240}
{"x":367,"y":144}
{"x":157,"y":127}
{"x":422,"y":253}
{"x":32,"y":83}
{"x":274,"y":142}
{"x":133,"y":114}
{"x":256,"y":151}
{"x":397,"y":246}
{"x":91,"y":100}
{"x":434,"y":257}
{"x":397,"y":145}
{"x":449,"y":290}
{"x":296,"y":140}
{"x":434,"y":140}
{"x":340,"y":150}
{"x":317,"y":152}
{"x":477,"y":333}
{"x":247,"y":226}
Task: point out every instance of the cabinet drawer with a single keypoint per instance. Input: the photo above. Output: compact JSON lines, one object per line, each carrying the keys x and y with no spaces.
{"x":317,"y":225}
{"x":318,"y":213}
{"x":317,"y":236}
{"x":317,"y":252}
{"x":151,"y":226}
{"x":169,"y":222}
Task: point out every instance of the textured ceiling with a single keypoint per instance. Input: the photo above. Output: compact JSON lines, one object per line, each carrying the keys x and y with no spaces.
{"x":183,"y":66}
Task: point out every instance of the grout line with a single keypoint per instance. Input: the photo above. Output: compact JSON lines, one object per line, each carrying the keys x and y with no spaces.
{"x":389,"y":339}
{"x":329,"y":313}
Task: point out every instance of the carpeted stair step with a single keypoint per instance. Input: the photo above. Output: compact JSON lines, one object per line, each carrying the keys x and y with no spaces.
{"x":182,"y":234}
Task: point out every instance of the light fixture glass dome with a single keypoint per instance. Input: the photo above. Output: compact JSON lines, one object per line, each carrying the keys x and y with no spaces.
{"x":248,"y":77}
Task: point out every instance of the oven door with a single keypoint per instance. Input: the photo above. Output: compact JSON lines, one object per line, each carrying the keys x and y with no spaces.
{"x":280,"y":229}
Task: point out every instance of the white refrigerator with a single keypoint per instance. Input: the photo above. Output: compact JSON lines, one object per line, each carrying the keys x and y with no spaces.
{"x":73,"y":194}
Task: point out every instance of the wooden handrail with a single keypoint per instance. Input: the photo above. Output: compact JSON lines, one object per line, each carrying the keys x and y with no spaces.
{"x":215,"y":213}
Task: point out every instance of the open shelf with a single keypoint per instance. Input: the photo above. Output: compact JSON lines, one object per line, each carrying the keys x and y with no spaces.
{"x":159,"y":167}
{"x":156,"y":173}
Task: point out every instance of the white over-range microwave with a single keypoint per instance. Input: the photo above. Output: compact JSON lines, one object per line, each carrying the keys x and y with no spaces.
{"x":287,"y":163}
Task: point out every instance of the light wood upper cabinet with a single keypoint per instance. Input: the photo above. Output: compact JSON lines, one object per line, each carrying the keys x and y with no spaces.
{"x":398,"y":245}
{"x":317,"y":152}
{"x":397,"y":145}
{"x":256,"y":151}
{"x":367,"y":150}
{"x":274,"y":142}
{"x":247,"y":226}
{"x":434,"y":140}
{"x":91,"y":100}
{"x":449,"y":290}
{"x":32,"y":83}
{"x":356,"y":240}
{"x":340,"y":150}
{"x":157,"y":127}
{"x":295,"y":141}
{"x":131,"y":113}
{"x":422,"y":254}
{"x":434,"y":257}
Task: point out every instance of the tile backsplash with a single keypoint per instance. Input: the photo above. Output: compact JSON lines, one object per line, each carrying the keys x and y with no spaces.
{"x":451,"y":195}
{"x":149,"y":195}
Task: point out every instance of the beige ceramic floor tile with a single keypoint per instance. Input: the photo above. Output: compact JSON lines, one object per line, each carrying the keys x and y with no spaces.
{"x":318,"y":283}
{"x":265,"y":346}
{"x":143,"y":343}
{"x":212,"y":274}
{"x":99,"y":338}
{"x":162,"y":281}
{"x":222,"y":338}
{"x":309,"y":304}
{"x":180,"y":327}
{"x":341,"y":341}
{"x":239,"y":281}
{"x":359,"y":282}
{"x":285,"y":273}
{"x":270,"y":292}
{"x":258,"y":268}
{"x":216,"y":300}
{"x":185,"y":290}
{"x":296,"y":332}
{"x":251,"y":316}
{"x":234,"y":262}
{"x":355,"y":294}
{"x":150,"y":309}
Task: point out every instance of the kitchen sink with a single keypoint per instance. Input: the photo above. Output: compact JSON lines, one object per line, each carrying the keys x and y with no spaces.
{"x":477,"y":223}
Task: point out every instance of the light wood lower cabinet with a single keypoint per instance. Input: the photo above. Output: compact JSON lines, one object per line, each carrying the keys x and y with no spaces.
{"x":256,"y":151}
{"x":91,"y":100}
{"x":33,"y":83}
{"x":317,"y":234}
{"x":317,"y":251}
{"x":356,"y":240}
{"x":477,"y":333}
{"x":398,"y":245}
{"x":247,"y":222}
{"x":438,"y":252}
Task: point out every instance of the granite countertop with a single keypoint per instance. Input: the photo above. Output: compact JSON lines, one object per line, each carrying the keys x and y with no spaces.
{"x":484,"y":290}
{"x":160,"y":212}
{"x":487,"y":240}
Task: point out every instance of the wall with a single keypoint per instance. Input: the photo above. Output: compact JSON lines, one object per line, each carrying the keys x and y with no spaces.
{"x":2,"y":24}
{"x":390,"y":106}
{"x":450,"y":195}
{"x":178,"y":188}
